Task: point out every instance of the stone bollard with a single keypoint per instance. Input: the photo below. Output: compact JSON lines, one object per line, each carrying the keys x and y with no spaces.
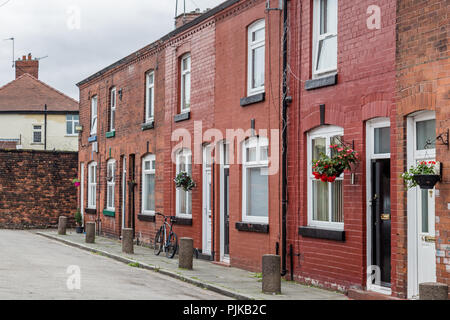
{"x":90,"y":232}
{"x":62,"y":225}
{"x":271,"y":274}
{"x":433,"y":291}
{"x":186,"y":253}
{"x":127,"y":241}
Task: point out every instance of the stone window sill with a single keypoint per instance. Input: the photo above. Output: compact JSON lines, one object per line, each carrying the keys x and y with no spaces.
{"x":148,"y":125}
{"x":146,"y":217}
{"x":183,"y":221}
{"x":319,"y":233}
{"x":321,"y":82}
{"x":252,"y":227}
{"x":255,"y":98}
{"x":182,"y":116}
{"x":90,"y":211}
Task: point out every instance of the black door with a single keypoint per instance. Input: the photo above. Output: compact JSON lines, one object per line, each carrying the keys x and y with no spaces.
{"x":381,"y":218}
{"x":226,"y":216}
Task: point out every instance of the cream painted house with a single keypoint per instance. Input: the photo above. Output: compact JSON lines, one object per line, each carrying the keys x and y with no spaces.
{"x":34,"y":115}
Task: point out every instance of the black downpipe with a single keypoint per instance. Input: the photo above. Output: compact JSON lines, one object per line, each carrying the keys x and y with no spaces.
{"x":213,"y":211}
{"x":284,"y":143}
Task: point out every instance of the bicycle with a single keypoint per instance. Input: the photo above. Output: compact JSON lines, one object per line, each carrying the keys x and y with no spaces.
{"x":167,"y":241}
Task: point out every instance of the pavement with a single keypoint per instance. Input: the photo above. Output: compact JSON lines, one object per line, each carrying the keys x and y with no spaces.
{"x":227,"y":281}
{"x":33,"y":267}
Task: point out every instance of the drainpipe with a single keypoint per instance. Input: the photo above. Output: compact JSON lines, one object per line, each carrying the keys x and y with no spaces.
{"x":45,"y":127}
{"x":286,"y":101}
{"x":213,"y":211}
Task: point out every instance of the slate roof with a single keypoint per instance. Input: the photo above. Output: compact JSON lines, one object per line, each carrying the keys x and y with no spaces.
{"x":28,"y":94}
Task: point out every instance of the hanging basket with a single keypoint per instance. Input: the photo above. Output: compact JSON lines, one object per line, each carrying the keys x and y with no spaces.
{"x":426,"y":181}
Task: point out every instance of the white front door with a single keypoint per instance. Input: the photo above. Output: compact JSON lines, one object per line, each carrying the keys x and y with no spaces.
{"x":82,"y":193}
{"x":426,"y":236}
{"x":207,"y":200}
{"x":421,"y":205}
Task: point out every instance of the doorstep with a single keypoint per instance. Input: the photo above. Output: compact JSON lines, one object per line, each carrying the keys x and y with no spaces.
{"x":222,"y":263}
{"x":356,"y":294}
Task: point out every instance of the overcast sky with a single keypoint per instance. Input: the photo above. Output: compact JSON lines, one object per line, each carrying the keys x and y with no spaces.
{"x":106,"y":32}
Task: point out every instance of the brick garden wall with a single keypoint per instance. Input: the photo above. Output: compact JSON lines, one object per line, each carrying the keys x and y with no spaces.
{"x":36,"y":188}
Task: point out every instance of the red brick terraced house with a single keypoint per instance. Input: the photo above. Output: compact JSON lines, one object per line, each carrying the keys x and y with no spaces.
{"x":204,"y":99}
{"x":372,"y":76}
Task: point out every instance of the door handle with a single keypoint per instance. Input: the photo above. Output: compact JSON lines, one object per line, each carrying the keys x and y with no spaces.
{"x":429,"y":238}
{"x":385,"y":216}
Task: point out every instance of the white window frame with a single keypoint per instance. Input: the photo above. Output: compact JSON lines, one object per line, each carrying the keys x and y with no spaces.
{"x":74,"y":124}
{"x":92,"y":185}
{"x":34,"y":130}
{"x":94,"y":115}
{"x":113,"y":107}
{"x":150,"y":103}
{"x":326,"y":132}
{"x":187,"y":154}
{"x":111,"y":167}
{"x":258,"y":143}
{"x":152,"y":171}
{"x":317,"y":37}
{"x":183,"y":84}
{"x":253,"y":45}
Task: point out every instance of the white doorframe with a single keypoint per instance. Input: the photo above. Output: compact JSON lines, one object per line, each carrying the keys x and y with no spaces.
{"x":223,"y":166}
{"x":206,"y":220}
{"x":412,"y":215}
{"x":124,"y":190}
{"x":82,"y":192}
{"x":370,"y":155}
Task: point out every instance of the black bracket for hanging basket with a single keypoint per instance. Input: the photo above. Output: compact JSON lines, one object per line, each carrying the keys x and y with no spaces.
{"x":444,"y":138}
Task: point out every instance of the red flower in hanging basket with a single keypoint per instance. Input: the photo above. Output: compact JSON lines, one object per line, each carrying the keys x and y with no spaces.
{"x":328,"y":169}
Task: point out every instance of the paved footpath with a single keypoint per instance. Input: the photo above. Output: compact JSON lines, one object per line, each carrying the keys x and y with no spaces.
{"x":33,"y":267}
{"x":232,"y":282}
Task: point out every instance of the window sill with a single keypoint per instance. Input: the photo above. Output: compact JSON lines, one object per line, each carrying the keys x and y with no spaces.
{"x":252,"y":227}
{"x":109,"y":213}
{"x":321,"y":82}
{"x":36,"y":144}
{"x":182,"y":116}
{"x":148,"y":125}
{"x":255,"y":98}
{"x":183,"y":221}
{"x":71,"y":136}
{"x":92,"y":138}
{"x":90,"y":211}
{"x":146,"y":217}
{"x":320,"y":233}
{"x":110,"y":134}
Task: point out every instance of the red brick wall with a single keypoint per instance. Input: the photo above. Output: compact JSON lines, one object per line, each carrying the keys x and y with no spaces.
{"x":423,"y":83}
{"x":365,"y":90}
{"x":36,"y":188}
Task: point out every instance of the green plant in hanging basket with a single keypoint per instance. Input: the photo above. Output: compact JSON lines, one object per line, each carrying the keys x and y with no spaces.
{"x":183,"y":180}
{"x":327,"y":168}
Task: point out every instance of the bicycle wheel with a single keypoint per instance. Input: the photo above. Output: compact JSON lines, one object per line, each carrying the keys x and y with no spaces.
{"x":172,"y":245}
{"x":158,"y":242}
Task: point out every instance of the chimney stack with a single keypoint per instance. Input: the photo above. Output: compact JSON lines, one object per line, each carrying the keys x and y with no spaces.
{"x":27,"y":65}
{"x":184,"y":18}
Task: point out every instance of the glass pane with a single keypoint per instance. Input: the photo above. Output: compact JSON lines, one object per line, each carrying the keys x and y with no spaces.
{"x":69,"y":117}
{"x":182,"y":200}
{"x":320,"y":201}
{"x":335,"y":140}
{"x":251,"y":154}
{"x":337,"y":207}
{"x":69,"y":127}
{"x":147,"y":165}
{"x":426,"y":131}
{"x":113,"y":119}
{"x":37,"y":136}
{"x":76,"y":117}
{"x":150,"y":103}
{"x":258,"y":67}
{"x":189,"y":203}
{"x":149,"y":200}
{"x":323,"y":16}
{"x":424,"y":196}
{"x":150,"y":78}
{"x":257,"y":193}
{"x":382,"y":140}
{"x":264,"y":156}
{"x":327,"y":54}
{"x":258,"y":35}
{"x":318,"y":147}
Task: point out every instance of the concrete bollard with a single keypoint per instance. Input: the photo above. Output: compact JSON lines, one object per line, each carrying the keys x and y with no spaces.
{"x":186,"y":253}
{"x":90,"y":232}
{"x":433,"y":291}
{"x":271,"y":274}
{"x":62,"y":225}
{"x":127,"y":241}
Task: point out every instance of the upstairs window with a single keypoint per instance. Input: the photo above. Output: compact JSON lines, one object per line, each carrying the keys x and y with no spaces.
{"x":256,"y":57}
{"x":37,"y":134}
{"x":185,"y":83}
{"x":255,"y":180}
{"x":148,"y":184}
{"x":325,"y":199}
{"x":94,"y":100}
{"x":72,"y":120}
{"x":113,"y":103}
{"x":150,"y":101}
{"x":111,"y":185}
{"x":325,"y":30}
